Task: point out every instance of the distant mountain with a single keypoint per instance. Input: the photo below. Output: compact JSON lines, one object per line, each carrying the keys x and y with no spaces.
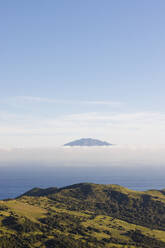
{"x":88,"y":142}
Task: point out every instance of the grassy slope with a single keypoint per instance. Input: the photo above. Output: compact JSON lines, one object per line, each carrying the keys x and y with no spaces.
{"x":79,"y":216}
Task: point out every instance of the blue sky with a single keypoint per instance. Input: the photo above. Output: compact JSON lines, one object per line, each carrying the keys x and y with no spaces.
{"x":71,"y":69}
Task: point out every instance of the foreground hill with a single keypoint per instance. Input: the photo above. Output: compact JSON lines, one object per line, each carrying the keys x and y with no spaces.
{"x":88,"y":142}
{"x":84,"y":215}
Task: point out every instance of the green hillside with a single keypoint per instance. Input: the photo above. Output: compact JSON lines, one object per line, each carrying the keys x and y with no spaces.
{"x":84,"y":215}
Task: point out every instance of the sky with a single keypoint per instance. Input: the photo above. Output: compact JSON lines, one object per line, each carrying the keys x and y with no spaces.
{"x":76,"y":69}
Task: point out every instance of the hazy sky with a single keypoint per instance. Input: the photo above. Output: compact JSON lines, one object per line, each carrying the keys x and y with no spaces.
{"x":72,"y":69}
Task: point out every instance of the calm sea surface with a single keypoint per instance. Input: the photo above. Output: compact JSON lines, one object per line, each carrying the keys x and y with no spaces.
{"x":15,"y":181}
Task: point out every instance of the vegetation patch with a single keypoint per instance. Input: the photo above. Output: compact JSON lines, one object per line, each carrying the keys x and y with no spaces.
{"x":84,"y":216}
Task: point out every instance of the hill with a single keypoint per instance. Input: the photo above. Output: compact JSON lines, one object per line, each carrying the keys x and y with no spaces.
{"x":84,"y":215}
{"x":88,"y":142}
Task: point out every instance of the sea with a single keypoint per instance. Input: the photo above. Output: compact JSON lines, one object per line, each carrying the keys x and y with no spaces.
{"x":15,"y":181}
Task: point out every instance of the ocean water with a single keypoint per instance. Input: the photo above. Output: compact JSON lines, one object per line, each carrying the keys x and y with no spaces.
{"x":17,"y":180}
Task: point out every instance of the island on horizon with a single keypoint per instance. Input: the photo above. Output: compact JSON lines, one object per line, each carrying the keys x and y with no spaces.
{"x":88,"y":142}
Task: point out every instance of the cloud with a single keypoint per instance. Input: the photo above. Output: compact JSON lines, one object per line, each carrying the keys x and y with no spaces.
{"x":21,"y":130}
{"x":139,"y":139}
{"x":116,"y":156}
{"x":39,"y":100}
{"x":111,"y":103}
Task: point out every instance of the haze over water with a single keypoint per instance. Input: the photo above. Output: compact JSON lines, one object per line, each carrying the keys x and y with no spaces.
{"x":135,"y":167}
